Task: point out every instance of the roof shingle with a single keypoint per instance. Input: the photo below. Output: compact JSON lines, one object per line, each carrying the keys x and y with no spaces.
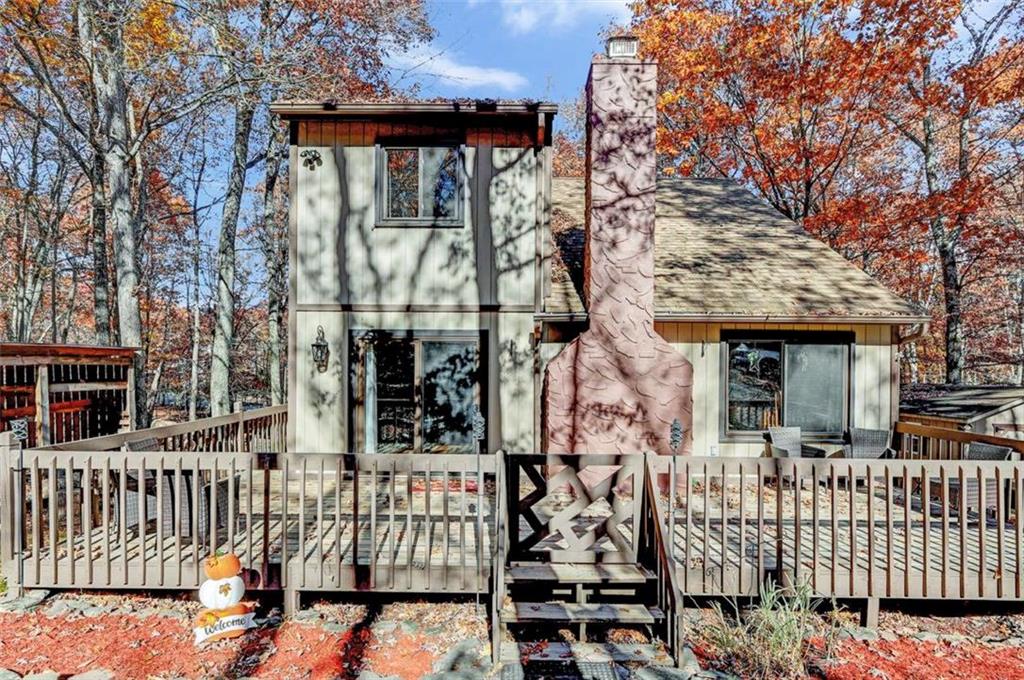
{"x":722,"y":252}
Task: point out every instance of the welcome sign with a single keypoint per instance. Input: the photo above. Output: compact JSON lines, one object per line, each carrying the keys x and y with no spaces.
{"x":226,"y":627}
{"x":225,"y":616}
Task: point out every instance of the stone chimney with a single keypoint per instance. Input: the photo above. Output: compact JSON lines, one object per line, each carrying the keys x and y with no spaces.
{"x":618,"y":386}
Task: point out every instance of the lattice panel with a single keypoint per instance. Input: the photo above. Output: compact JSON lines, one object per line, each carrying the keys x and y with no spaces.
{"x":579,"y":508}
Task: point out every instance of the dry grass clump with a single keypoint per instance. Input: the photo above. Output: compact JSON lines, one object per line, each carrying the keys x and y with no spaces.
{"x":775,"y":638}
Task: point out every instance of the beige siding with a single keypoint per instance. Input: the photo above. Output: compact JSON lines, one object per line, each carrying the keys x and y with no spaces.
{"x":344,"y":258}
{"x":872,"y":374}
{"x":321,"y":409}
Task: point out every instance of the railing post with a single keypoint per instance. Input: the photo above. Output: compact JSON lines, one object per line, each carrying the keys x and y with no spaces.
{"x":240,"y":432}
{"x":42,"y":397}
{"x":10,"y":519}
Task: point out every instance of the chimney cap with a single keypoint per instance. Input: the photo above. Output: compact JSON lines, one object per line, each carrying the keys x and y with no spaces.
{"x":622,"y":46}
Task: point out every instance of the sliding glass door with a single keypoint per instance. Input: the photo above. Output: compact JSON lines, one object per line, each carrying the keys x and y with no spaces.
{"x":414,"y":393}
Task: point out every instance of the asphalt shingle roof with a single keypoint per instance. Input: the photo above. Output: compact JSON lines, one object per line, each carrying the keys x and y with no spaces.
{"x":722,"y":252}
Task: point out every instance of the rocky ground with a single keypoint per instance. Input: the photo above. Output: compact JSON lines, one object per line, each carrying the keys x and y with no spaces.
{"x":96,"y":637}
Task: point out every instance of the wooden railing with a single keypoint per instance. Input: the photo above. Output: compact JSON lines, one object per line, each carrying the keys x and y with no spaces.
{"x":921,"y":442}
{"x":402,"y":522}
{"x":848,"y":528}
{"x":550,"y":496}
{"x":501,"y":548}
{"x":261,"y":430}
{"x":657,"y":550}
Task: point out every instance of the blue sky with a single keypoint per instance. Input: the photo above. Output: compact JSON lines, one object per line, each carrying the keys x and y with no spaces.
{"x":535,"y":49}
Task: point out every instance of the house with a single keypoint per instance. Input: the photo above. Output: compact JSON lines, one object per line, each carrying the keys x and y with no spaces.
{"x":449,"y":271}
{"x":985,"y":409}
{"x":449,"y":297}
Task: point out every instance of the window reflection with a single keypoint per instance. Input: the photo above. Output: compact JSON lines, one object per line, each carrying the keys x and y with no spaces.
{"x":755,"y":383}
{"x":422,"y":183}
{"x":403,"y":182}
{"x":413,"y":394}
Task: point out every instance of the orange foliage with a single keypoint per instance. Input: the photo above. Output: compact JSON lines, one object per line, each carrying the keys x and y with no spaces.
{"x":821,"y":107}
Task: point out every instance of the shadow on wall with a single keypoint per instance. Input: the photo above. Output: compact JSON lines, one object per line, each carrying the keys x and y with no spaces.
{"x":358,"y":262}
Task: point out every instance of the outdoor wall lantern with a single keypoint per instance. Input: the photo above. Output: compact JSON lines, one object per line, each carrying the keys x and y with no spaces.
{"x":321,"y":350}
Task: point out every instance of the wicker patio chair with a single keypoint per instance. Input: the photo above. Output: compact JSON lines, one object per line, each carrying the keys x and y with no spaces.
{"x":860,"y":442}
{"x":173,"y":519}
{"x":785,"y":442}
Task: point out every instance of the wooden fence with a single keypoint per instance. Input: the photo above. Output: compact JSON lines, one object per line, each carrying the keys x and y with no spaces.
{"x":922,"y":442}
{"x":258,"y":431}
{"x":92,"y":515}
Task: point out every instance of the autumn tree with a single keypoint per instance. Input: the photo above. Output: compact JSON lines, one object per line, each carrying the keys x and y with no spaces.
{"x":885,"y":128}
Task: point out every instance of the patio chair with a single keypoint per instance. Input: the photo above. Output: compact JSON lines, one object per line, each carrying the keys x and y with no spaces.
{"x":173,"y":519}
{"x":859,"y":442}
{"x":969,"y":497}
{"x":785,"y":442}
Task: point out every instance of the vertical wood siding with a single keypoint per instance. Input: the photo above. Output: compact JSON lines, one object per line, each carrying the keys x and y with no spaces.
{"x":343,"y":260}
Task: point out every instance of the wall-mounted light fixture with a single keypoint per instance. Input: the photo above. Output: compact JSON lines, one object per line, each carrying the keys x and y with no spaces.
{"x":675,"y":436}
{"x":321,"y":350}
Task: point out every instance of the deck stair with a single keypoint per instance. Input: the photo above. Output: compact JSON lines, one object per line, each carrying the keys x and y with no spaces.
{"x":547,"y":598}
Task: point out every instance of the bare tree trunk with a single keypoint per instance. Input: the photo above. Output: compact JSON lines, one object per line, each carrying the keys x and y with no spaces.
{"x":101,"y":287}
{"x":102,"y":39}
{"x":946,"y":240}
{"x":223,"y":332}
{"x":193,"y":381}
{"x":275,"y":255}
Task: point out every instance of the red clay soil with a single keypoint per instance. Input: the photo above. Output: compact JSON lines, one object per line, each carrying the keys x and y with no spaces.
{"x":135,"y":647}
{"x":913,"y":660}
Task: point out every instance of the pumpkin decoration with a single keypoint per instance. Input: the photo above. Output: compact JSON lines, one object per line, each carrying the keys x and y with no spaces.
{"x":222,"y":593}
{"x":218,"y":566}
{"x":225,"y":616}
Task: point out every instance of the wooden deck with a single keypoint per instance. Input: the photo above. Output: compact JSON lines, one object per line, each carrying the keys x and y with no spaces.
{"x":308,"y":525}
{"x":859,"y":539}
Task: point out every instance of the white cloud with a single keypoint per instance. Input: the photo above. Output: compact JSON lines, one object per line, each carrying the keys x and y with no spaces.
{"x":526,"y":16}
{"x":424,"y":63}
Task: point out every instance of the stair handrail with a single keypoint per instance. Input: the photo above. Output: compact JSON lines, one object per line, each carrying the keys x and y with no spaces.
{"x":670,"y":595}
{"x":499,"y":555}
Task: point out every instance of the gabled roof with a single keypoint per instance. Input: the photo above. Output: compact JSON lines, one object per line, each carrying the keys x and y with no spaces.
{"x":963,"y":403}
{"x":723,"y":254}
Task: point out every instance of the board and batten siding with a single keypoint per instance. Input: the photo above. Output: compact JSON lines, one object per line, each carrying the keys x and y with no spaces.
{"x":343,"y":257}
{"x":350,"y":274}
{"x":874,"y":377}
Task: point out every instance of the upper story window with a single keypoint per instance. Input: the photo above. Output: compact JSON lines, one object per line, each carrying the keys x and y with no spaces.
{"x":419,"y":186}
{"x":800,"y":381}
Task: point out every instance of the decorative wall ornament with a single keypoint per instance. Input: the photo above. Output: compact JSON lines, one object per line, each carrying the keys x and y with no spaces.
{"x":321,"y":350}
{"x":225,"y":616}
{"x":479,"y":424}
{"x":311,"y":159}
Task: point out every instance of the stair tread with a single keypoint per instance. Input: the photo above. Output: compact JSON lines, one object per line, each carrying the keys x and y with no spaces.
{"x":596,"y":612}
{"x":578,"y":573}
{"x":592,"y":652}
